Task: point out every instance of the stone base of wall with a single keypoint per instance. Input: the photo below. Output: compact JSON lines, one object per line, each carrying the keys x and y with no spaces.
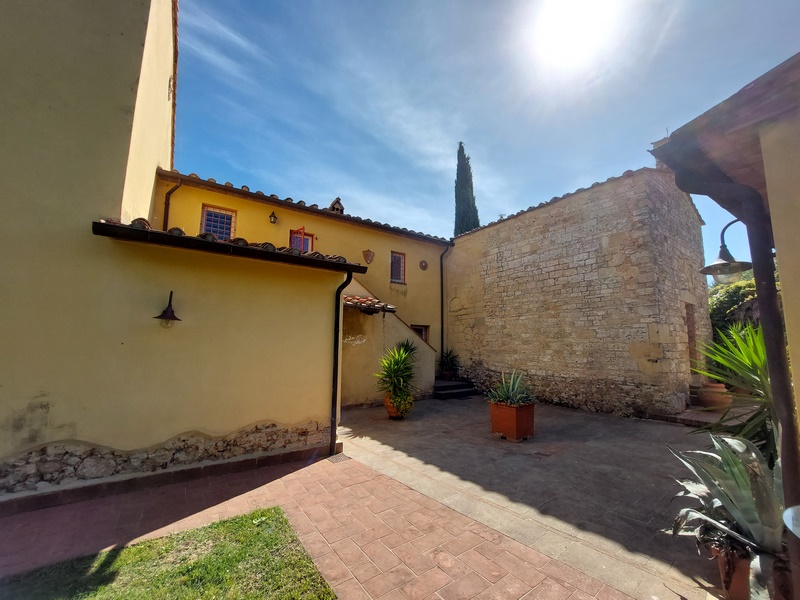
{"x":595,"y":395}
{"x":58,"y":465}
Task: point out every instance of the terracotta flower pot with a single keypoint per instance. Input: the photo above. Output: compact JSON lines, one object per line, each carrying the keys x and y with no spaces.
{"x":514,"y":423}
{"x":714,"y":396}
{"x":734,"y":573}
{"x":393,"y":414}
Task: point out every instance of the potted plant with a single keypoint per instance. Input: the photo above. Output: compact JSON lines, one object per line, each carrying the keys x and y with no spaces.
{"x":739,"y":520}
{"x":714,"y":396}
{"x":511,"y":408}
{"x":449,"y":363}
{"x":394,"y":380}
{"x":739,"y":360}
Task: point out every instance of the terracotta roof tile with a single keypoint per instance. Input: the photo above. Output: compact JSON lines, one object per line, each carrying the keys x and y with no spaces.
{"x":554,"y":199}
{"x":332,"y":211}
{"x":143,"y":224}
{"x":368,"y":304}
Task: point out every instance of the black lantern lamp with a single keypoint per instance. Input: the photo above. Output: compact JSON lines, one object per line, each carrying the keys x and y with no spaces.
{"x":726,"y":269}
{"x":273,"y":218}
{"x":167,"y":316}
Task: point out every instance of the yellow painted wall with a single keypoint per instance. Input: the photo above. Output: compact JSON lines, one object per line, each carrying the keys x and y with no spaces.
{"x":365,"y":338}
{"x":81,"y":357}
{"x":151,"y":136}
{"x":780,"y":148}
{"x":417,"y":301}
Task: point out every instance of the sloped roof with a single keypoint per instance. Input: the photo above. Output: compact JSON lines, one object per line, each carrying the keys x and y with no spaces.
{"x":244,"y":192}
{"x":139,"y":231}
{"x":554,"y":199}
{"x":368,"y":304}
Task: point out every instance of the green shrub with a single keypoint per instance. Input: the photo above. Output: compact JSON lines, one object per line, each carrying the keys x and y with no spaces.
{"x":512,"y":391}
{"x":724,"y":299}
{"x":395,"y":378}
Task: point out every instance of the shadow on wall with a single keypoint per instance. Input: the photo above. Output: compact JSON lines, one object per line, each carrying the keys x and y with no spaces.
{"x":605,"y":480}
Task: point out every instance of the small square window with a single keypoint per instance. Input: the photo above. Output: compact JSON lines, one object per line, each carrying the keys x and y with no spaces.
{"x":219,"y":221}
{"x":299,"y":239}
{"x":398,"y":267}
{"x":421,"y":331}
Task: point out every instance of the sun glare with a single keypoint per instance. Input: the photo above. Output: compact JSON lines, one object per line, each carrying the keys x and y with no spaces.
{"x":575,"y":35}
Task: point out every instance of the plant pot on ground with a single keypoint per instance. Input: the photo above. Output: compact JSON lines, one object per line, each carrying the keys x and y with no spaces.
{"x":739,"y":517}
{"x":449,"y":362}
{"x":395,"y":381}
{"x":739,"y":360}
{"x":511,"y":408}
{"x":714,"y":396}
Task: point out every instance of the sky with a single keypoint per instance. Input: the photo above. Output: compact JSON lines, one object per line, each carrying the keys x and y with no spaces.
{"x":368,"y":101}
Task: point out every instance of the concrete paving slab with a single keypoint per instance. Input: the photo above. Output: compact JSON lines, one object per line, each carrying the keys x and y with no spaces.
{"x":591,"y":490}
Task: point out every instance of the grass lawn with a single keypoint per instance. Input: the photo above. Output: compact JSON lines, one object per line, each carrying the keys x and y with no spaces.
{"x":252,"y":556}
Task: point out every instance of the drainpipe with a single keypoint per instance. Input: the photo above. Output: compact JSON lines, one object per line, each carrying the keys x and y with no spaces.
{"x":337,"y":312}
{"x":748,"y":202}
{"x":167,"y":197}
{"x":441,"y":295}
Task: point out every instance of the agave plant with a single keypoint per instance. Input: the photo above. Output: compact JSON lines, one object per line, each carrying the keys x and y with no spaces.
{"x":739,"y":359}
{"x":512,"y":391}
{"x":740,"y":513}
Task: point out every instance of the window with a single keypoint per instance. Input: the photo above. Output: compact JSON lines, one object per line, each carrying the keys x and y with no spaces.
{"x":219,"y":221}
{"x":421,"y":331}
{"x":398,"y":267}
{"x":299,"y":239}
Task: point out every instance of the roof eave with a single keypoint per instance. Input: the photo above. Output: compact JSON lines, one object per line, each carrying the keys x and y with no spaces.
{"x":162,"y":238}
{"x":197,"y":182}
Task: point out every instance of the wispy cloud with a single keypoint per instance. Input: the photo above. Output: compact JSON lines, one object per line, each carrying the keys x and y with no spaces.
{"x":231,"y":55}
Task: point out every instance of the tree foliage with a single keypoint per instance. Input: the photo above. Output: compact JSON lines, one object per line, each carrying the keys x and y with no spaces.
{"x":466,"y":209}
{"x":723,"y":299}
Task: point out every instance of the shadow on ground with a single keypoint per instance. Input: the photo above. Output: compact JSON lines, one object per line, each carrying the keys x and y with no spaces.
{"x":602,"y":481}
{"x":39,"y":538}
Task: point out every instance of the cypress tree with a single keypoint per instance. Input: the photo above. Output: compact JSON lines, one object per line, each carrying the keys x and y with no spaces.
{"x":466,"y":210}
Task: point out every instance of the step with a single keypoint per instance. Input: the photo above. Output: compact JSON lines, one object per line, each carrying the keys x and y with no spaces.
{"x":447,"y":384}
{"x":452,"y":394}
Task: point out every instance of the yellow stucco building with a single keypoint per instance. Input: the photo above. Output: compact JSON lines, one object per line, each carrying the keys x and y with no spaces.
{"x":92,"y":385}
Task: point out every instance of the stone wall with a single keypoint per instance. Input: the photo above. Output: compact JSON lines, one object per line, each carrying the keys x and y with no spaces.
{"x":582,"y":296}
{"x":69,"y":463}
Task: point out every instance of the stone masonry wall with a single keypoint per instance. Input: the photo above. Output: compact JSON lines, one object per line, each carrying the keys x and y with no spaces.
{"x":68,"y":463}
{"x":679,"y":286}
{"x":576,"y":294}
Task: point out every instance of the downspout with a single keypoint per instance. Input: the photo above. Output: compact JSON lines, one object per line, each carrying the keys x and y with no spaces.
{"x":167,"y":197}
{"x":337,"y":313}
{"x":441,"y":296}
{"x":759,"y":234}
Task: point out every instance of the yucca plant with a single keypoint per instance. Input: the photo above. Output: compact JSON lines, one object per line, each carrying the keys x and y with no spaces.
{"x":512,"y":391}
{"x":739,"y":359}
{"x":395,"y":379}
{"x":409,"y":347}
{"x":741,"y":511}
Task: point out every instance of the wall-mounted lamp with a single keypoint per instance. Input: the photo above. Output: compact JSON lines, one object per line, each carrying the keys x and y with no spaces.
{"x":726,"y":269}
{"x":273,"y":218}
{"x":167,"y":316}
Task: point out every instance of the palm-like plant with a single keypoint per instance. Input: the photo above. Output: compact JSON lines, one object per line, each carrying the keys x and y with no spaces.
{"x":395,"y":378}
{"x":512,"y":391}
{"x":741,"y":510}
{"x":739,"y":359}
{"x":410,"y":347}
